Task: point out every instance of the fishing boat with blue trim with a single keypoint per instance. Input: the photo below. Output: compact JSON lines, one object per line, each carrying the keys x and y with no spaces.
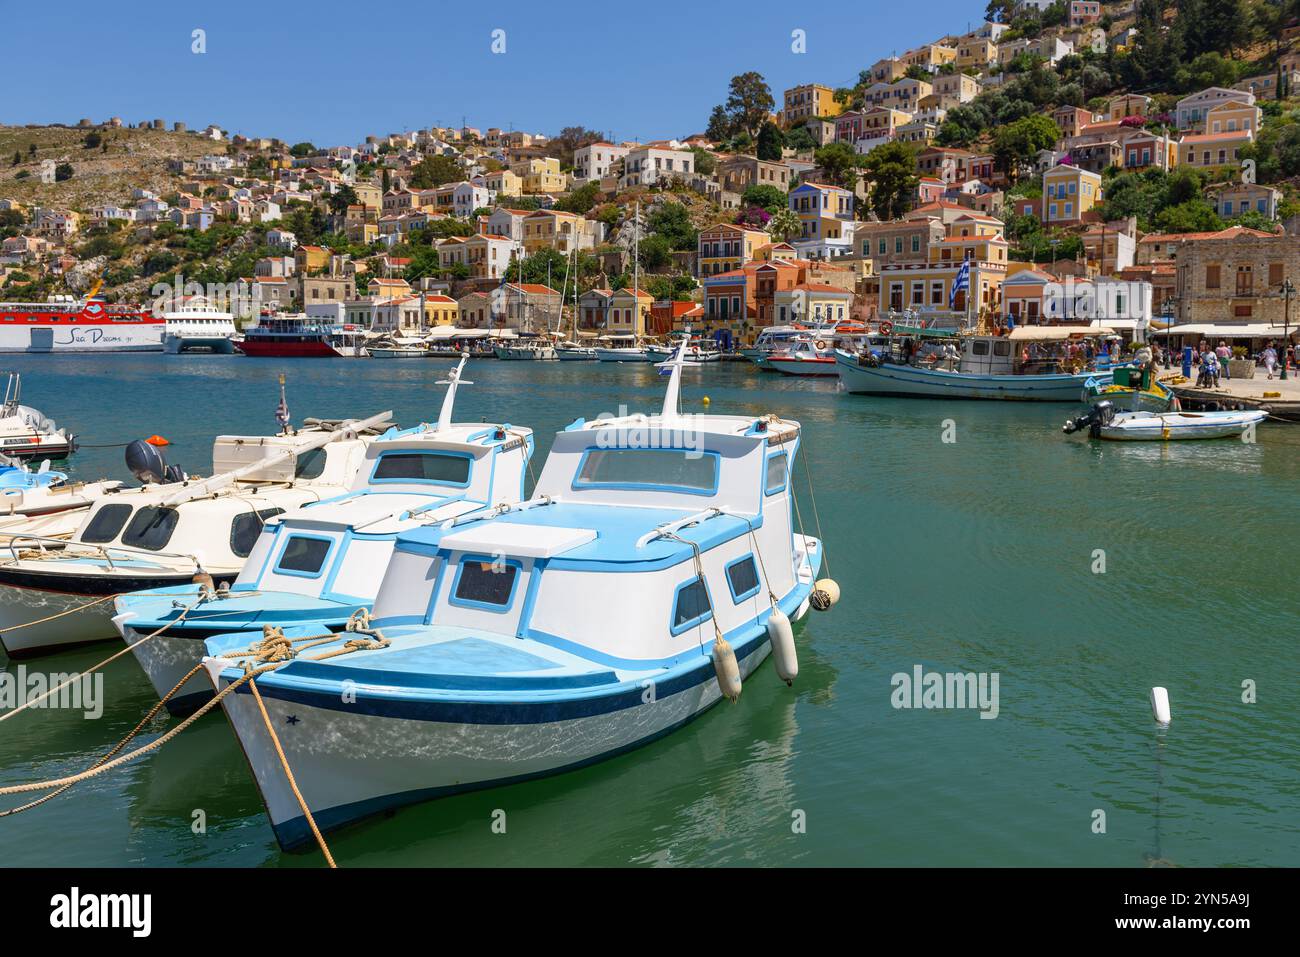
{"x":321,"y":565}
{"x":656,"y":565}
{"x":1031,"y":363}
{"x":57,"y":592}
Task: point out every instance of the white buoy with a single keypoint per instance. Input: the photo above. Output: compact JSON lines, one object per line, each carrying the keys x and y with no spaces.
{"x":1160,"y":706}
{"x":826,"y":592}
{"x":781,"y":635}
{"x":727,"y":669}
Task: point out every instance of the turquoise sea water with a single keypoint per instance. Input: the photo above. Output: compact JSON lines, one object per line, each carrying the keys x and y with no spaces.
{"x":971,"y":555}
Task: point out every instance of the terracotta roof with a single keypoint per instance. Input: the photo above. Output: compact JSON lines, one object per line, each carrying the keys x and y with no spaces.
{"x":1216,"y":137}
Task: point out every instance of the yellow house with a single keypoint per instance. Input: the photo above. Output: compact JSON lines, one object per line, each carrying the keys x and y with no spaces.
{"x":1233,"y":116}
{"x":504,"y":182}
{"x":540,"y":175}
{"x":440,"y":310}
{"x":368,"y":194}
{"x":552,"y":229}
{"x":1213,"y":149}
{"x":726,"y":246}
{"x":807,"y":101}
{"x":976,"y":53}
{"x":812,"y":302}
{"x":824,"y":211}
{"x":931,"y":56}
{"x":308,"y":259}
{"x":1068,"y":193}
{"x":629,"y":312}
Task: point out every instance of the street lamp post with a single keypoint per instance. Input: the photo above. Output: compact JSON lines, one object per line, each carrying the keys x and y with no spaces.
{"x":1168,"y":312}
{"x":1288,"y":290}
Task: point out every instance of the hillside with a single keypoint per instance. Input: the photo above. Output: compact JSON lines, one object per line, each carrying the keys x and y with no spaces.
{"x":133,"y":158}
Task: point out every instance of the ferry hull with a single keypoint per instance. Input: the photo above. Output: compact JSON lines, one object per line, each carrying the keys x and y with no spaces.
{"x":79,"y":337}
{"x":372,"y":758}
{"x":263,"y":348}
{"x":911,"y":382}
{"x":220,"y":345}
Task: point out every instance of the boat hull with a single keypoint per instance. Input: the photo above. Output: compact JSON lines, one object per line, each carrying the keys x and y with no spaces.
{"x":802,"y":367}
{"x":1174,"y":426}
{"x":83,"y":337}
{"x":379,"y":754}
{"x":219,"y":345}
{"x":27,"y":596}
{"x":911,"y":382}
{"x":313,"y":349}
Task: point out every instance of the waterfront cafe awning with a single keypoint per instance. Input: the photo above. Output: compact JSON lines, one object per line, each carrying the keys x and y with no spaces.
{"x":1020,"y":333}
{"x":1228,"y":330}
{"x":451,"y":332}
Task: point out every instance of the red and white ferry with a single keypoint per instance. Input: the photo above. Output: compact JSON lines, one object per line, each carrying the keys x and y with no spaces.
{"x":88,"y":325}
{"x":294,"y":335}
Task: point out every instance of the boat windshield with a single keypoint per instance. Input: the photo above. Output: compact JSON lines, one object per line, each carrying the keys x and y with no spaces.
{"x":151,"y":528}
{"x":682,"y":470}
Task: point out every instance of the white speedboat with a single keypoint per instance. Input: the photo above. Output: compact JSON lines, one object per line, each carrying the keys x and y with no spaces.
{"x":195,"y":325}
{"x":525,"y":348}
{"x":321,"y":565}
{"x":574,"y":352}
{"x":24,"y":431}
{"x":167,"y":532}
{"x":398,"y":347}
{"x":622,"y":348}
{"x":698,"y":352}
{"x":642,"y":583}
{"x":1104,"y":422}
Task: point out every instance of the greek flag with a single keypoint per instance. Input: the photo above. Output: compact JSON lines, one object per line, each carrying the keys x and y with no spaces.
{"x":960,"y":284}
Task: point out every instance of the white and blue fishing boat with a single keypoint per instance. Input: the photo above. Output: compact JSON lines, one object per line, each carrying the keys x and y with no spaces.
{"x":1103,"y":421}
{"x":986,"y":367}
{"x":320,"y":566}
{"x":655,"y":566}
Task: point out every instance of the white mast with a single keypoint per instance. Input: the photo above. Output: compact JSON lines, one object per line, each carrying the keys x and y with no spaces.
{"x":451,"y":382}
{"x":673,"y":394}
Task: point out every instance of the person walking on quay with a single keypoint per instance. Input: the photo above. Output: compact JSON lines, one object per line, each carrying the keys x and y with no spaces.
{"x":1224,"y":354}
{"x":1270,"y":358}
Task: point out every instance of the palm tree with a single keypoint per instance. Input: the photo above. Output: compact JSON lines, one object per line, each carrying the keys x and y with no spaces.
{"x":784,"y":225}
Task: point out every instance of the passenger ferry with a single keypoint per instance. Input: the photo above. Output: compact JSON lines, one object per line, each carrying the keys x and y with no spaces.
{"x":88,"y":325}
{"x":293,"y":335}
{"x":195,"y":325}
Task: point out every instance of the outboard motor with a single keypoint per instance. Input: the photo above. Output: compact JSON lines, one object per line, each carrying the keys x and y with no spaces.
{"x":146,"y":462}
{"x":1100,"y":415}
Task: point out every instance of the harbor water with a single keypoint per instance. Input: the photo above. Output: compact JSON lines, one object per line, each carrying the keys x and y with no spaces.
{"x":967,"y":538}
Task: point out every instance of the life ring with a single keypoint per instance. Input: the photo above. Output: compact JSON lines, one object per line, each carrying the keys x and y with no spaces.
{"x":886,"y":328}
{"x":820,"y":344}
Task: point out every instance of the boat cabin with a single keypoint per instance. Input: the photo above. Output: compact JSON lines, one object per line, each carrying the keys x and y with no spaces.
{"x":627,"y":513}
{"x":339,"y":548}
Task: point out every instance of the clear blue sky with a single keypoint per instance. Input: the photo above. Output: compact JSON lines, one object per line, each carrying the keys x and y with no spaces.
{"x":333,"y":72}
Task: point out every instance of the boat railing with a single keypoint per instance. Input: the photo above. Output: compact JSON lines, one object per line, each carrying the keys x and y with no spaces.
{"x":669,"y":529}
{"x":493,"y":512}
{"x":66,"y":545}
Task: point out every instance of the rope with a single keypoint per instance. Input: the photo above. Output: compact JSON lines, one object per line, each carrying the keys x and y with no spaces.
{"x":771,"y":595}
{"x":89,"y":604}
{"x":288,"y":774}
{"x":817,"y":521}
{"x":111,"y":658}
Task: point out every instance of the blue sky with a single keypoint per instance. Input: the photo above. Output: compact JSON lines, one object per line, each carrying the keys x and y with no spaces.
{"x":333,"y":72}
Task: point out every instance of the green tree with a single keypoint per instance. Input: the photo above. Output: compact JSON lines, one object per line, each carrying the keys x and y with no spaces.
{"x":840,"y":164}
{"x":749,"y":102}
{"x":92,"y":141}
{"x":655,"y":253}
{"x":891,"y":170}
{"x":344,"y":197}
{"x":1016,"y":144}
{"x":764,"y":196}
{"x":784,"y":225}
{"x":435,"y":171}
{"x":720,"y":127}
{"x":1193,"y":216}
{"x":302,"y":149}
{"x":581,"y":200}
{"x":705,"y":162}
{"x":18,"y":158}
{"x":800,"y":139}
{"x":770,"y":142}
{"x":63,"y":172}
{"x":672,"y":221}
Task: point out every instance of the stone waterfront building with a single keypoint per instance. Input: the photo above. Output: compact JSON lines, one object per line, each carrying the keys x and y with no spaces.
{"x":1236,"y":276}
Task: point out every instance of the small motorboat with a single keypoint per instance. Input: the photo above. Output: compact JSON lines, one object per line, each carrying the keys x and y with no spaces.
{"x":403,"y":347}
{"x":320,"y":566}
{"x":28,"y":494}
{"x":574,"y":352}
{"x":168,"y":531}
{"x":1104,"y":422}
{"x":643,"y":581}
{"x":24,"y":431}
{"x":806,"y":357}
{"x":1129,"y":392}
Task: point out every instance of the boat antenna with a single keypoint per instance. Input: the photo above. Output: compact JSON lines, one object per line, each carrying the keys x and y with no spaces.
{"x":451,"y":382}
{"x":282,"y":410}
{"x":674,"y":369}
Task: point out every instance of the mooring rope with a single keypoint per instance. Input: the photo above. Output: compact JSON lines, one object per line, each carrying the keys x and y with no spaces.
{"x":91,"y":670}
{"x":69,"y":611}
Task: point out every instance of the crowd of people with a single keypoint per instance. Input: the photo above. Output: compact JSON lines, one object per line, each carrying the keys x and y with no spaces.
{"x":1212,"y":362}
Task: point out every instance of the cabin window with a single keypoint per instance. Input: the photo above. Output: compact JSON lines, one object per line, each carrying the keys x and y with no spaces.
{"x":674,"y":470}
{"x":309,"y":465}
{"x":484,"y":583}
{"x":151,"y":528}
{"x":692,"y":606}
{"x":108,"y":521}
{"x":742,"y":577}
{"x":245,"y":528}
{"x":979,"y":348}
{"x":304,"y":555}
{"x":1002,"y":348}
{"x":443,"y":468}
{"x":776,"y":471}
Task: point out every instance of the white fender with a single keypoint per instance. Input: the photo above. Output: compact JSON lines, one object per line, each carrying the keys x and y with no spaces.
{"x":781,"y":635}
{"x":726,"y":668}
{"x":1160,"y":706}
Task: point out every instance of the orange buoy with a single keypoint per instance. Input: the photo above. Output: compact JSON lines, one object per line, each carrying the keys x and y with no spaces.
{"x":157,"y":440}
